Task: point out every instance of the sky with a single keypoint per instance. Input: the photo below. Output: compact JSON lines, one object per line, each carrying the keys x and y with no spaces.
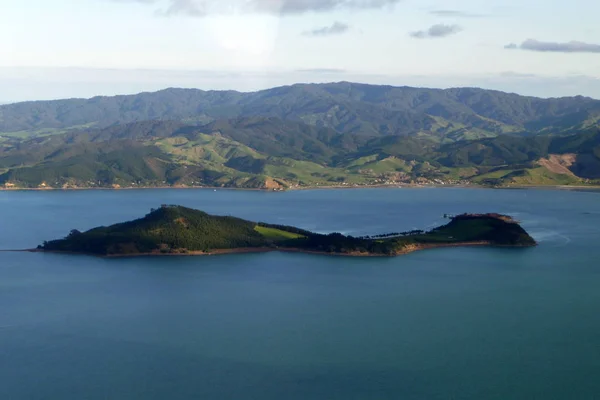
{"x":53,"y":49}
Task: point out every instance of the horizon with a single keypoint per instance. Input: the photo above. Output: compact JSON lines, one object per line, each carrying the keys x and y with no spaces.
{"x":5,"y":102}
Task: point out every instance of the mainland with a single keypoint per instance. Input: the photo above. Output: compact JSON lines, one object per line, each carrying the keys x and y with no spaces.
{"x":301,"y":136}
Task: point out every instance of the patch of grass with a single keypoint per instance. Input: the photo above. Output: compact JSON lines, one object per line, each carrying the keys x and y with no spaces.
{"x":499,"y":174}
{"x":276,"y":234}
{"x":457,"y":173}
{"x":591,"y":122}
{"x":308,"y":172}
{"x":362,"y":161}
{"x":205,"y":148}
{"x":388,"y":164}
{"x":542,"y":176}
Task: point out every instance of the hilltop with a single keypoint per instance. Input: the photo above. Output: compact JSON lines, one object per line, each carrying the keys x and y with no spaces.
{"x":177,"y":230}
{"x":370,"y":110}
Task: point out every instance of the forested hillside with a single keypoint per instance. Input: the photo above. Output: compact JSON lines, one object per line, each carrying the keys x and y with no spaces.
{"x":362,"y":109}
{"x":302,"y":135}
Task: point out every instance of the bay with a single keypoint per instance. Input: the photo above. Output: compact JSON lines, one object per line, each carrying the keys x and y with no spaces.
{"x":457,"y":323}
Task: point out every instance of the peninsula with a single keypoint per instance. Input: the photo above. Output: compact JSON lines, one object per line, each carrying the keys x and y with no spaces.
{"x":177,"y":230}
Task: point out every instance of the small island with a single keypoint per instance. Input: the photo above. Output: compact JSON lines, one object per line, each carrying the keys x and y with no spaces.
{"x":177,"y":230}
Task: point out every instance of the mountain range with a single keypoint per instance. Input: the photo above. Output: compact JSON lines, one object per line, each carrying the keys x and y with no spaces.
{"x":301,"y":135}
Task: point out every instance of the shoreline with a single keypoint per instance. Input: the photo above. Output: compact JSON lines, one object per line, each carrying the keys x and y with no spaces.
{"x":249,"y":250}
{"x":394,"y":186}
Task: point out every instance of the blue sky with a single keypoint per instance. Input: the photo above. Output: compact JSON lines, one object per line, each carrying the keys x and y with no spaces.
{"x":81,"y":48}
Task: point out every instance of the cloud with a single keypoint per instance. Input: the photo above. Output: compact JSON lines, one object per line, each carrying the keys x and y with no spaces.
{"x":322,"y":70}
{"x":337,"y":28}
{"x":437,"y":31}
{"x":456,"y":14}
{"x":198,"y":8}
{"x":555,"y":47}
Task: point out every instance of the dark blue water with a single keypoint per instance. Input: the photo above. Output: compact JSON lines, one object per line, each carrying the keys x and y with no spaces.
{"x":470,"y":323}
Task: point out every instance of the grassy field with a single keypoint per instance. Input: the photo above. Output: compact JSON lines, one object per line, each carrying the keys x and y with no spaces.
{"x":542,"y":176}
{"x":213,"y":152}
{"x":499,"y":174}
{"x":379,"y":166}
{"x":205,"y":148}
{"x":276,"y":234}
{"x":308,"y":172}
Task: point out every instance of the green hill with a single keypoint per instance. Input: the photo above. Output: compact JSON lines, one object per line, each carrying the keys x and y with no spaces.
{"x":365,"y":110}
{"x":181,"y":230}
{"x":301,"y":136}
{"x":273,"y":156}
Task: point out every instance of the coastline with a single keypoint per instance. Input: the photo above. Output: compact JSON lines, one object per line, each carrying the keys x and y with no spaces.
{"x":331,"y":187}
{"x":248,"y":250}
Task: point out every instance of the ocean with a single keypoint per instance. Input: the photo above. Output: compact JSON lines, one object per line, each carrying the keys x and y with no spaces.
{"x":454,"y":323}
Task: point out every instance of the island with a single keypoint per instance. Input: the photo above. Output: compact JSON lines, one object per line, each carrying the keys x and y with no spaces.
{"x":177,"y":230}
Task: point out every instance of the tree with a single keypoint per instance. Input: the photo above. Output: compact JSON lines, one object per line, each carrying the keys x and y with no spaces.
{"x":74,"y":232}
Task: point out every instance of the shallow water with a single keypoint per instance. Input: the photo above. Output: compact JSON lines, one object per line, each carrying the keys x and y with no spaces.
{"x":464,"y":323}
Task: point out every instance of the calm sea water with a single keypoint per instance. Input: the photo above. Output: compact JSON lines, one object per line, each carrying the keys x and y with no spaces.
{"x":470,"y":323}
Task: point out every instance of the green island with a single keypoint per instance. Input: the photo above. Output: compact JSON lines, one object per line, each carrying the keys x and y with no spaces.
{"x":177,"y":230}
